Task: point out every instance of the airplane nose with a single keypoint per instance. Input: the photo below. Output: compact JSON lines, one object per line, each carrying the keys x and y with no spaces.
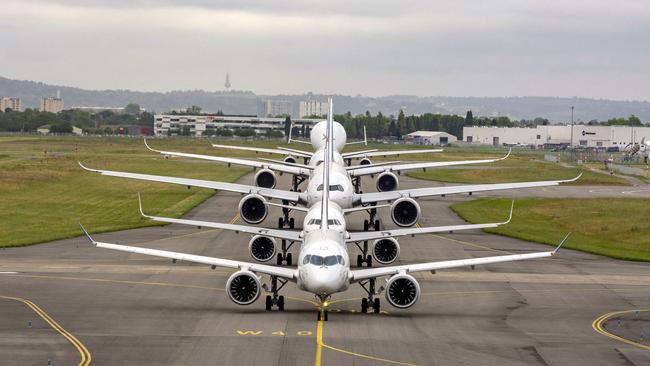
{"x":324,"y":282}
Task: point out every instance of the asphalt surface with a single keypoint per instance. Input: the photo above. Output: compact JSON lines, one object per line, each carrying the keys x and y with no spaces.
{"x":135,"y":310}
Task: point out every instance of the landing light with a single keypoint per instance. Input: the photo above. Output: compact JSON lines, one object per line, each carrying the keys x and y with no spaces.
{"x":325,"y":304}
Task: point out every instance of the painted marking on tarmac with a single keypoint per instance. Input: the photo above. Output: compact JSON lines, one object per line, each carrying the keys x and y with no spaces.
{"x":598,"y":327}
{"x":86,"y":358}
{"x":320,"y":345}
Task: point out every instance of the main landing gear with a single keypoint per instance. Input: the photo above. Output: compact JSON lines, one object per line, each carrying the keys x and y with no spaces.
{"x":295,"y":182}
{"x":284,"y":256}
{"x":371,"y":224}
{"x":285,"y":220}
{"x":370,"y":302}
{"x":274,"y":299}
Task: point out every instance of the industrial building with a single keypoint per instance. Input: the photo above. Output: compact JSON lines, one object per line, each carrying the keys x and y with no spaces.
{"x":429,"y":138}
{"x":172,"y":124}
{"x":557,"y":135}
{"x":313,"y":108}
{"x":11,"y":103}
{"x":273,"y":107}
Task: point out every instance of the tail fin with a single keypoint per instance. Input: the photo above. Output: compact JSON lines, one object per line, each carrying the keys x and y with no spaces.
{"x":329,"y":152}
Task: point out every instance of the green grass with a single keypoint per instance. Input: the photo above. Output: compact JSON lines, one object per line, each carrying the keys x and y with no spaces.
{"x":613,"y":227}
{"x":44,"y":193}
{"x":517,"y":168}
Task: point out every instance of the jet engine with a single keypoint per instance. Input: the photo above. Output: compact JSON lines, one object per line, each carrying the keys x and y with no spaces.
{"x":365,"y":161}
{"x":402,"y":291}
{"x":265,"y":178}
{"x":252,"y":208}
{"x":243,"y":287}
{"x":290,"y":159}
{"x":262,"y":248}
{"x":385,"y":251}
{"x":386,"y":181}
{"x":405,"y":212}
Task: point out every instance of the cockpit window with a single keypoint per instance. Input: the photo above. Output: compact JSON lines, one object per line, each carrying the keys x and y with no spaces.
{"x":331,"y":260}
{"x":333,"y":187}
{"x":316,"y":260}
{"x":340,"y":259}
{"x":319,"y":162}
{"x":329,"y":222}
{"x":306,"y":260}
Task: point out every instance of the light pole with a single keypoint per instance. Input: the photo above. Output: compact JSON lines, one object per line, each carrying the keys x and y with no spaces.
{"x":571,"y":145}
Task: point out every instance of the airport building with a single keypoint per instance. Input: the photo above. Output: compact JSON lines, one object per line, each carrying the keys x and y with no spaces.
{"x":313,"y":108}
{"x":429,"y":138}
{"x":52,"y":105}
{"x":12,"y":103}
{"x":173,"y":124}
{"x":557,"y":135}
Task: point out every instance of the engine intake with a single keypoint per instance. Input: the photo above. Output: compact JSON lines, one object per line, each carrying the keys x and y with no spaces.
{"x":385,"y":251}
{"x":365,"y":161}
{"x":290,"y":159}
{"x":405,"y":212}
{"x":262,"y":248}
{"x":386,"y":182}
{"x":253,"y":209}
{"x":402,"y":291}
{"x":265,"y":179}
{"x":243,"y":287}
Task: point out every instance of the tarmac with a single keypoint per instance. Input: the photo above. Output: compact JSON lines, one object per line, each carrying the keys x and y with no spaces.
{"x":71,"y":303}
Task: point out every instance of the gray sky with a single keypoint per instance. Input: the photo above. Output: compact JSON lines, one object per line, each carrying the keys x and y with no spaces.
{"x":585,"y":48}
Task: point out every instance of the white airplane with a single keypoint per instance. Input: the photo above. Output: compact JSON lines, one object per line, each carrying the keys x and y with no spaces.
{"x":323,"y":264}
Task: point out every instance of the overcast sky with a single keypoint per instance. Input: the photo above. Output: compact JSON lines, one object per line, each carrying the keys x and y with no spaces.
{"x":592,"y":48}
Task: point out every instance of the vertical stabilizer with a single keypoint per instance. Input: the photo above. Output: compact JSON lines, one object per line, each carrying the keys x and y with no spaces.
{"x":327,"y":165}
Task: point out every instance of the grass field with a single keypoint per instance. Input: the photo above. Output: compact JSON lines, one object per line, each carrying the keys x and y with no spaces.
{"x":614,"y":227}
{"x":44,"y":193}
{"x":517,"y":168}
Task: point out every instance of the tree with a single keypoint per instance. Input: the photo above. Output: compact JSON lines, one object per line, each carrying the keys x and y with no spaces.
{"x":62,"y":127}
{"x":132,"y":109}
{"x":287,"y":125}
{"x":245,"y":132}
{"x":194,"y":109}
{"x":469,"y":118}
{"x":401,"y":124}
{"x":186,"y":131}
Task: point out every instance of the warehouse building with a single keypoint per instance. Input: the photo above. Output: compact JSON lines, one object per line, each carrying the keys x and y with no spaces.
{"x":549,"y":136}
{"x":173,"y":124}
{"x":429,"y":138}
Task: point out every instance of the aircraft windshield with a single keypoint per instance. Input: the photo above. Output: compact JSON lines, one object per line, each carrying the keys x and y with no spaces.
{"x":317,"y":260}
{"x":333,"y":187}
{"x":329,"y":222}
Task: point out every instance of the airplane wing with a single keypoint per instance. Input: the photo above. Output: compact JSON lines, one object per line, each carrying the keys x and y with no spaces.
{"x":362,"y":274}
{"x":283,"y":272}
{"x":376,"y":153}
{"x":251,"y":163}
{"x":374,"y":235}
{"x":373,"y":165}
{"x":445,"y":190}
{"x":279,"y":234}
{"x":302,"y":154}
{"x":295,"y":151}
{"x":229,"y":187}
{"x":365,"y":170}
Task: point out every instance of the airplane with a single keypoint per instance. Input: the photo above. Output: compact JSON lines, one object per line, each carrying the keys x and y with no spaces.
{"x":323,"y":266}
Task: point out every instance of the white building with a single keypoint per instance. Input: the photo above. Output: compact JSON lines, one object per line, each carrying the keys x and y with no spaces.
{"x":274,"y":108}
{"x":429,"y":138}
{"x":8,"y":102}
{"x":583,"y":135}
{"x":313,"y":108}
{"x":172,"y":124}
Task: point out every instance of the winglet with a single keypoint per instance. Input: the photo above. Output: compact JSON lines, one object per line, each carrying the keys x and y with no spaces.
{"x":561,"y":243}
{"x":512,"y":207}
{"x":572,"y":179}
{"x":88,"y":169}
{"x":90,"y":239}
{"x":508,"y":154}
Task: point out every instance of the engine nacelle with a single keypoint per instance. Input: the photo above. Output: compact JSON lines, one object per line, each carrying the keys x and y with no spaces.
{"x":243,"y":287}
{"x":402,"y":291}
{"x":385,"y":251}
{"x":386,"y":182}
{"x":365,"y":161}
{"x":290,"y":159}
{"x":253,"y":209}
{"x":405,"y":212}
{"x":262,"y":248}
{"x":265,"y":178}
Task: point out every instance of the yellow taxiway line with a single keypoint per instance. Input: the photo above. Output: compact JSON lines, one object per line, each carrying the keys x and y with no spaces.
{"x":86,"y":358}
{"x":598,"y":327}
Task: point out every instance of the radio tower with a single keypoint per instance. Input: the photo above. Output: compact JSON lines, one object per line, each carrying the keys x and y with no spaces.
{"x":227,"y":84}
